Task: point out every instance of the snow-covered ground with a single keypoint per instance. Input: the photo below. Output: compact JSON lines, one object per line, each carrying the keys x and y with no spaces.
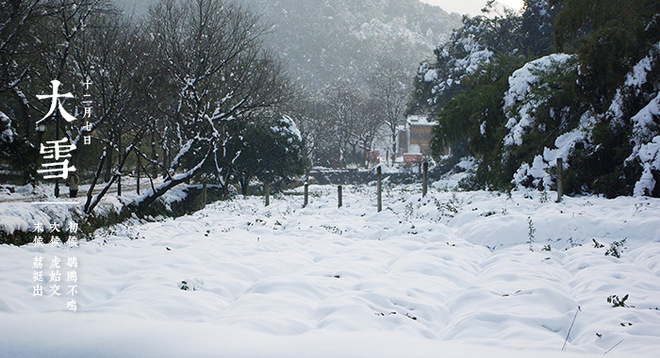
{"x":456,"y":274}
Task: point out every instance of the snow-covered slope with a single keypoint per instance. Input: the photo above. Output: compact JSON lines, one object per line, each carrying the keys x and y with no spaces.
{"x":448,"y":275}
{"x":323,"y":41}
{"x":635,"y":106}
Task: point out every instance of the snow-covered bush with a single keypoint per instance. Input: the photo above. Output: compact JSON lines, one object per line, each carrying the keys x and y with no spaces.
{"x":272,"y":151}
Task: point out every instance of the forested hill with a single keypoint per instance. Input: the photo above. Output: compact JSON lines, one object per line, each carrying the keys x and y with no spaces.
{"x":322,"y":41}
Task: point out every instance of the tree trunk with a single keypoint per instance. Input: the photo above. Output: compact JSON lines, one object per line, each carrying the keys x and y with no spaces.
{"x":244,"y":181}
{"x":393,"y":147}
{"x":154,"y":156}
{"x":146,"y":201}
{"x":108,"y":166}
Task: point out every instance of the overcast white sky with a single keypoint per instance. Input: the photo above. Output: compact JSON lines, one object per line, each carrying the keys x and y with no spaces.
{"x":472,"y":7}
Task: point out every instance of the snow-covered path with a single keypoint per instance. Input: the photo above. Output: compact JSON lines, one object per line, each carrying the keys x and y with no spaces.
{"x":448,"y":275}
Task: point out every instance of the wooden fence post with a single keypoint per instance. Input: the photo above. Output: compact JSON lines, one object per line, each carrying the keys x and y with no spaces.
{"x":119,"y":161}
{"x":204,"y":194}
{"x":138,"y":173}
{"x":339,"y":196}
{"x":267,"y":193}
{"x":306,"y":195}
{"x":380,"y":189}
{"x":425,"y":179}
{"x":560,"y":179}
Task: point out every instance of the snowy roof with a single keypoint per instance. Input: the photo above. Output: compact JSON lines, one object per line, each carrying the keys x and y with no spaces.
{"x":419,"y":120}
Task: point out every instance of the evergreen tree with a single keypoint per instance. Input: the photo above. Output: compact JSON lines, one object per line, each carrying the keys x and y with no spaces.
{"x":596,"y":109}
{"x":537,"y":26}
{"x":478,"y":41}
{"x":475,"y":118}
{"x":272,"y":151}
{"x":610,"y":36}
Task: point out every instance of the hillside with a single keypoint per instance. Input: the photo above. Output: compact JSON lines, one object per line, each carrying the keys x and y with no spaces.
{"x":325,"y":40}
{"x":322,"y":40}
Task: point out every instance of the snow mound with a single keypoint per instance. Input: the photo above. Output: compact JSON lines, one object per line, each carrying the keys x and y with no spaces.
{"x":466,"y":273}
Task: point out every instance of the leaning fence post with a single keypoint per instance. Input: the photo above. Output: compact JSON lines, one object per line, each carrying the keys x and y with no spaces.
{"x":339,"y":198}
{"x":425,"y":179}
{"x":267,"y":193}
{"x":379,"y":189}
{"x":306,"y":195}
{"x":560,"y":179}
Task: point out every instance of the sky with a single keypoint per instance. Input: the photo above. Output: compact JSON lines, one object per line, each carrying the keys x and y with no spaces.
{"x":472,"y":7}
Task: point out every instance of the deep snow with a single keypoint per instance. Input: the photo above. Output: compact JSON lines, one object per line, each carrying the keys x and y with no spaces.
{"x":448,"y":275}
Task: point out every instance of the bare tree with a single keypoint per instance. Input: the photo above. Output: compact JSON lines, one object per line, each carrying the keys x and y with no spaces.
{"x":370,"y":127}
{"x":35,"y":48}
{"x":215,"y":72}
{"x":341,"y":126}
{"x":343,"y":108}
{"x":15,"y":18}
{"x":309,"y":115}
{"x":112,"y":60}
{"x":391,"y":91}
